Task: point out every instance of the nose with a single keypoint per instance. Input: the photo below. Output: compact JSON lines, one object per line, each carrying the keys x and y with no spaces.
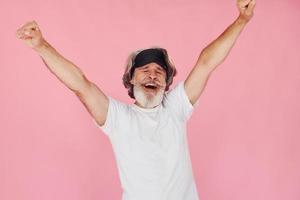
{"x":152,"y":75}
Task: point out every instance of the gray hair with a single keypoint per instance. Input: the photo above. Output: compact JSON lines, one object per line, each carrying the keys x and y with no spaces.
{"x":170,"y":73}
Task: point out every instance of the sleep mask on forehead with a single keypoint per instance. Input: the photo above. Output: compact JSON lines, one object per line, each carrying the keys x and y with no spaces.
{"x":148,"y":56}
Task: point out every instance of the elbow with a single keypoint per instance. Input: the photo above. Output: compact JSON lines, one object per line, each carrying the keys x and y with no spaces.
{"x":209,"y":60}
{"x":82,"y":87}
{"x":204,"y":59}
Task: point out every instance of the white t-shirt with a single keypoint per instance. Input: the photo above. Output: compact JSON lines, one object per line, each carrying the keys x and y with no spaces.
{"x":150,"y":147}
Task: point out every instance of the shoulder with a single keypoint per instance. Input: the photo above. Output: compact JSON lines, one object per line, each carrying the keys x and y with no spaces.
{"x":177,"y":102}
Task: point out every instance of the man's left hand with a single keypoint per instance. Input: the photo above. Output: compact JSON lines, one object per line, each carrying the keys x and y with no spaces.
{"x":246,"y":8}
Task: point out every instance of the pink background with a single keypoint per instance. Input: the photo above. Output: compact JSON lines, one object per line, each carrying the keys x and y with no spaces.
{"x":244,"y":134}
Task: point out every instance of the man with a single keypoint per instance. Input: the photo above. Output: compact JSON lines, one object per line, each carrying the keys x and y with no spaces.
{"x":149,"y":136}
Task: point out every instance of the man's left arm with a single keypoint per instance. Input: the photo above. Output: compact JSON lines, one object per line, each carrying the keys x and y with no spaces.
{"x":215,"y":53}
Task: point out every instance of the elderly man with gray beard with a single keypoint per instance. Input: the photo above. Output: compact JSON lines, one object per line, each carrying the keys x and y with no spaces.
{"x":148,"y":137}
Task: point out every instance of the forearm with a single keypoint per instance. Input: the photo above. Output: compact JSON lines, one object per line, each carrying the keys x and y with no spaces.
{"x":215,"y":53}
{"x":62,"y":68}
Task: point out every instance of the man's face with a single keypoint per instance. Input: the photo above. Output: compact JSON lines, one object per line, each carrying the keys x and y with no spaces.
{"x":149,"y":83}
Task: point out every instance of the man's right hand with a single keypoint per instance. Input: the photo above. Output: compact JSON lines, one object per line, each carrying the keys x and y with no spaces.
{"x":30,"y":33}
{"x":72,"y":76}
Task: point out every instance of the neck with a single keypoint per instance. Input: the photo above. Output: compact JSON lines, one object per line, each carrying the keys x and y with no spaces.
{"x":139,"y":105}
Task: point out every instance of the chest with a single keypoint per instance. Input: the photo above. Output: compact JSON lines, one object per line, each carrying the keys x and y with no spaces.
{"x":150,"y":135}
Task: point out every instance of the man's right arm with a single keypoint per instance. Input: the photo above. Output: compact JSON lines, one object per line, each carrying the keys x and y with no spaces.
{"x":95,"y":101}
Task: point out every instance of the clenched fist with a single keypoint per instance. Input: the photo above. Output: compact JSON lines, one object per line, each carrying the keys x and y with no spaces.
{"x":31,"y":35}
{"x":246,"y":8}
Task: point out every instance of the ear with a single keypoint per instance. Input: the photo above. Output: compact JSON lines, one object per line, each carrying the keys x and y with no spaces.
{"x":132,"y":81}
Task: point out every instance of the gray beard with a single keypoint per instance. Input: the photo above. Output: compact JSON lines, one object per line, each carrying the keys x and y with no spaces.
{"x":147,"y":100}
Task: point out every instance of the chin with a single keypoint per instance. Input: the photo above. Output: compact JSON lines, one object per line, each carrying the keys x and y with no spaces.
{"x":148,"y":99}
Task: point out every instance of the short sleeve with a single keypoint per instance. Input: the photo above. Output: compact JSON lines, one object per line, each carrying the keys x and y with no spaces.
{"x":179,"y":103}
{"x":115,"y":110}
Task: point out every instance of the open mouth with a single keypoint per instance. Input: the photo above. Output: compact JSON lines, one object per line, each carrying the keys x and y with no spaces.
{"x":150,"y":86}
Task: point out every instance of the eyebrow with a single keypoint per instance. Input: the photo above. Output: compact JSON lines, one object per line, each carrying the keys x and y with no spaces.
{"x":158,"y":68}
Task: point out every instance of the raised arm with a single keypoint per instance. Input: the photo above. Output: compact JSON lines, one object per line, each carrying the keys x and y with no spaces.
{"x":70,"y":75}
{"x":215,"y":53}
